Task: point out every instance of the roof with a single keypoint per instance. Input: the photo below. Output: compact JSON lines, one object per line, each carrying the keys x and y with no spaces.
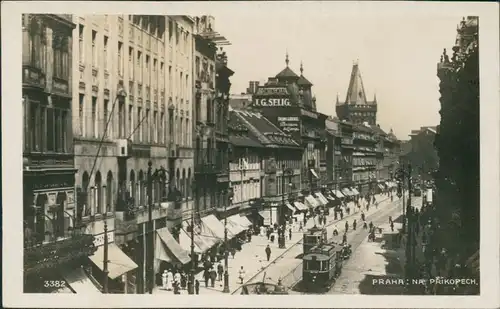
{"x":303,"y":81}
{"x":263,"y":130}
{"x":406,"y":148}
{"x":356,"y":91}
{"x":378,"y":130}
{"x":287,"y":73}
{"x":363,"y":128}
{"x":239,"y":134}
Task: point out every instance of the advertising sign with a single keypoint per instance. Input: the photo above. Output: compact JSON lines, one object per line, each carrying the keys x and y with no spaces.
{"x":271,"y":102}
{"x":271,"y":97}
{"x":289,"y":124}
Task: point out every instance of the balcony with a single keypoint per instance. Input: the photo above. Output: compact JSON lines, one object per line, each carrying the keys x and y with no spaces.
{"x":41,"y":254}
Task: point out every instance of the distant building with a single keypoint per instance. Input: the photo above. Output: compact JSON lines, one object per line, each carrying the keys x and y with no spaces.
{"x":356,"y":108}
{"x":241,"y":101}
{"x":252,"y":87}
{"x":421,"y":153}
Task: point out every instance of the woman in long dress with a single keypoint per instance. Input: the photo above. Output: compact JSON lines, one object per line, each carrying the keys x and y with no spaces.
{"x":170,"y":280}
{"x":164,"y":279}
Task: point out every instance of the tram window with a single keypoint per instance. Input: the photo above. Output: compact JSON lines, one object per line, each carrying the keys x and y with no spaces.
{"x":312,"y":265}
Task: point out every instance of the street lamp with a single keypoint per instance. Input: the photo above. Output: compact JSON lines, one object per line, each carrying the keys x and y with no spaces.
{"x":226,"y":251}
{"x":281,"y":235}
{"x":193,"y":266}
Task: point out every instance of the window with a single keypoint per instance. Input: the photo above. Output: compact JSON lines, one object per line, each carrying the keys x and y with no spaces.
{"x":81,"y":51}
{"x":57,"y":131}
{"x":170,"y":79}
{"x":120,"y":59}
{"x":148,"y":78}
{"x":155,"y":63}
{"x":171,"y":124}
{"x":139,"y":65}
{"x":42,"y":129}
{"x":162,"y":128}
{"x":147,"y":136}
{"x":64,"y":131}
{"x":155,"y":126}
{"x":209,"y":110}
{"x":181,"y":90}
{"x":94,"y":49}
{"x":162,"y":76}
{"x":80,"y":114}
{"x":170,"y":29}
{"x":130,"y":63}
{"x":121,"y":119}
{"x":186,"y":134}
{"x":139,"y":119}
{"x":197,"y":67}
{"x":130,"y":120}
{"x":32,"y":126}
{"x":94,"y":117}
{"x":105,"y":52}
{"x":181,"y":127}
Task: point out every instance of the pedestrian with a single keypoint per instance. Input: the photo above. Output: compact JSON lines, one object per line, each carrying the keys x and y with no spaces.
{"x":206,"y":276}
{"x":268,"y":233}
{"x":197,"y":286}
{"x":213,"y":276}
{"x":272,"y":238}
{"x":183,"y":281}
{"x":268,"y":253}
{"x":233,"y":252}
{"x":164,"y":279}
{"x":390,"y":219}
{"x":220,"y":270}
{"x":177,"y":278}
{"x":392,"y":226}
{"x":241,"y":274}
{"x":354,"y":225}
{"x":170,"y":279}
{"x":346,"y":226}
{"x":290,"y":233}
{"x":301,"y":229}
{"x":335,"y":231}
{"x":344,"y":238}
{"x":176,"y":288}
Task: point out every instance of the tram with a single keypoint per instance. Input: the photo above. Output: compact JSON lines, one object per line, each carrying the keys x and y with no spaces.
{"x":321,"y":266}
{"x":313,"y":237}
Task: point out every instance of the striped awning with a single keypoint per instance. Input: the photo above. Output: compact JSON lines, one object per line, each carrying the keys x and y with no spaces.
{"x":300,"y":206}
{"x":311,"y":201}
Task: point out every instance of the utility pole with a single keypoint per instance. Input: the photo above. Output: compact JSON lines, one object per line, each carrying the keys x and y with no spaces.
{"x":409,"y":242}
{"x":226,"y":253}
{"x":105,"y":258}
{"x":193,"y":266}
{"x":281,"y":236}
{"x":149,"y":231}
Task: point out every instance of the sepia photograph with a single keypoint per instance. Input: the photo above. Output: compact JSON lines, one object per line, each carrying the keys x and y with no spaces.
{"x":249,"y":153}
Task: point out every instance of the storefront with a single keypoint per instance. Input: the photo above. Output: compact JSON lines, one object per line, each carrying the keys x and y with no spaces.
{"x":169,"y":254}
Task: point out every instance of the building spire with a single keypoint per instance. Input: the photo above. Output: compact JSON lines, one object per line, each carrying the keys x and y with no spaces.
{"x":375,"y":97}
{"x":286,"y":59}
{"x":338,"y":102}
{"x":301,"y":68}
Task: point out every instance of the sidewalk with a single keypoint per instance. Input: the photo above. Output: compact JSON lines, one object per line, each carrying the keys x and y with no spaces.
{"x":253,"y":258}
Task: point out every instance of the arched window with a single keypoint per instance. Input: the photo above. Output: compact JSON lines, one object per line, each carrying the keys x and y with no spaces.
{"x":140,"y":198}
{"x":184,"y":184}
{"x":189,"y":184}
{"x":86,"y":198}
{"x":98,"y":194}
{"x":132,"y":186}
{"x":109,"y":192}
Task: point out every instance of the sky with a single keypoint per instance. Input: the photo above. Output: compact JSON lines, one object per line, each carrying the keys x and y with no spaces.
{"x":397,"y":56}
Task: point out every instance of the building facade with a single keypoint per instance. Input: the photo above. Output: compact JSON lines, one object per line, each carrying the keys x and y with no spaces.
{"x":132,"y":105}
{"x":364,"y":160}
{"x":423,"y":155}
{"x":49,"y":211}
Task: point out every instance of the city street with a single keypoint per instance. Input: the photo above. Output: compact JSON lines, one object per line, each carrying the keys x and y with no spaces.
{"x":374,"y":260}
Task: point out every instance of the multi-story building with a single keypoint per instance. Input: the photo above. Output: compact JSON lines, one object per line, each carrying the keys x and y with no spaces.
{"x":245,"y":165}
{"x":356,"y":108}
{"x":288,"y":102}
{"x":423,"y":155}
{"x":241,"y":101}
{"x":49,"y":211}
{"x":333,"y":151}
{"x":132,"y":106}
{"x":211,"y":110}
{"x":345,"y":175}
{"x":280,"y":161}
{"x":364,"y":161}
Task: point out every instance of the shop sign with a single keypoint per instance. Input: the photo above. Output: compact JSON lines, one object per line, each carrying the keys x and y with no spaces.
{"x":99,"y":239}
{"x":272,"y":102}
{"x":263,"y":91}
{"x":289,"y":124}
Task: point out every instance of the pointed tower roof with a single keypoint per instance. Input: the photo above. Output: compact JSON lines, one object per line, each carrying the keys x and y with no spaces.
{"x":356,"y":91}
{"x":287,"y":72}
{"x":338,"y":102}
{"x":302,"y":80}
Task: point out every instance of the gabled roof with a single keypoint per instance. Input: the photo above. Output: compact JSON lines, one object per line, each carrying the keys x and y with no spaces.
{"x":303,"y":81}
{"x":239,"y":134}
{"x":265,"y":131}
{"x":378,"y":130}
{"x":287,"y":73}
{"x":356,"y":91}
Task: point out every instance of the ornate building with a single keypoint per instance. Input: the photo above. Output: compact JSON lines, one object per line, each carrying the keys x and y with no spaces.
{"x":457,"y":143}
{"x":356,"y":108}
{"x":49,"y":211}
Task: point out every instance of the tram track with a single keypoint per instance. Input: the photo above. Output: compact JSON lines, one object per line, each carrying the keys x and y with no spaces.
{"x":299,"y":242}
{"x":294,"y":277}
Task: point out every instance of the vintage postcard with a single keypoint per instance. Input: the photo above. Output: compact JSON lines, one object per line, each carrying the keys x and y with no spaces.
{"x":250,"y":154}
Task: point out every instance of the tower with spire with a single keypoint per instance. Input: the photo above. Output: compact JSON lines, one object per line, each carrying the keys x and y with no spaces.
{"x":357,"y":108}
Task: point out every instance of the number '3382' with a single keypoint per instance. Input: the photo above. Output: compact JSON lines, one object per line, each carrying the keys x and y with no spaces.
{"x":54,"y":283}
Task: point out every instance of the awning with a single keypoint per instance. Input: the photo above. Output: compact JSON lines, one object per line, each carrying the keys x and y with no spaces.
{"x":185,"y":242}
{"x":78,"y":280}
{"x":355,"y":191}
{"x":287,"y":204}
{"x":347,"y":192}
{"x":311,"y":201}
{"x":330,"y":197}
{"x":321,"y":197}
{"x":270,"y":216}
{"x":314,"y":173}
{"x":213,"y":228}
{"x":241,"y":220}
{"x":337,"y":193}
{"x":167,"y":249}
{"x":300,"y":206}
{"x":118,"y":262}
{"x":234,"y":227}
{"x":381,"y":187}
{"x":202,"y":239}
